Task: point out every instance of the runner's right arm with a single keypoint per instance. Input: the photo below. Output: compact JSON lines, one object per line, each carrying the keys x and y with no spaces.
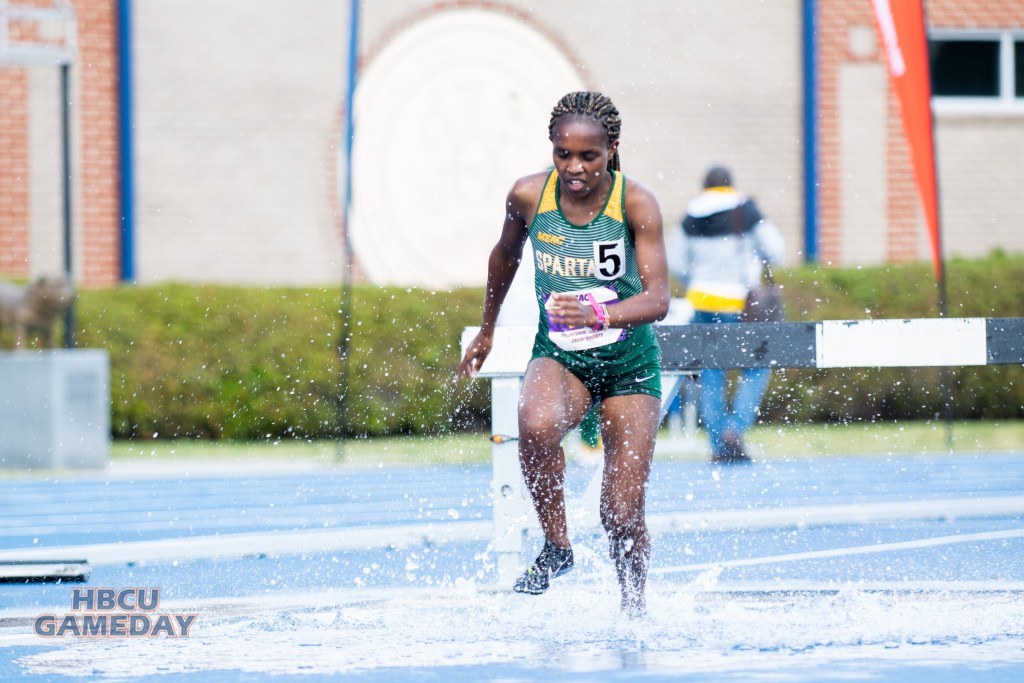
{"x":502,"y":266}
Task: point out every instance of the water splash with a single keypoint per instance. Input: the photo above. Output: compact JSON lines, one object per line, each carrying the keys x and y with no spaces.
{"x":575,"y":628}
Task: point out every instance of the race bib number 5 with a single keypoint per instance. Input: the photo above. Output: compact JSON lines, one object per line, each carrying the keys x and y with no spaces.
{"x":609,"y":259}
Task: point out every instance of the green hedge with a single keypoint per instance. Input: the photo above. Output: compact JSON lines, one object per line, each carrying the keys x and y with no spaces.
{"x":246,"y":363}
{"x":990,"y":287}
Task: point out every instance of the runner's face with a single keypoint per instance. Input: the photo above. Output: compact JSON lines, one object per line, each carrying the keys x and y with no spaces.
{"x":580,"y":150}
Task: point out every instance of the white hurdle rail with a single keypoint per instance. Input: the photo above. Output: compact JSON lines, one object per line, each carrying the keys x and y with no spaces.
{"x":687,"y":349}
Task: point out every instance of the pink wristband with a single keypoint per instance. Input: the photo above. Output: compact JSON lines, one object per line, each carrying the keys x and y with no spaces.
{"x":601,"y":311}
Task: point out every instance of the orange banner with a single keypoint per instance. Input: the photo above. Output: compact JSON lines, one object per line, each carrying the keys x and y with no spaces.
{"x":901,"y":27}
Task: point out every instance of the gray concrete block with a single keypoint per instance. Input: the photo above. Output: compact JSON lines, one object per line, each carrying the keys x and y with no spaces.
{"x":54,"y":409}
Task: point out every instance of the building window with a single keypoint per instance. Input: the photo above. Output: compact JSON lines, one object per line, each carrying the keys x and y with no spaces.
{"x":1018,"y":63}
{"x":964,"y":68}
{"x":977,"y":70}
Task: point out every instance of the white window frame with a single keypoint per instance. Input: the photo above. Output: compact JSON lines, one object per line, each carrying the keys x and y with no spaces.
{"x":1006,"y":103}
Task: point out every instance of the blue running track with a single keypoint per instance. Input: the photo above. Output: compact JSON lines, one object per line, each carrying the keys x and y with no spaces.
{"x":882,"y":568}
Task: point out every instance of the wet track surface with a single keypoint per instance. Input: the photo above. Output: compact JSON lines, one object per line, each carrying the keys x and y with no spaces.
{"x":905,"y":568}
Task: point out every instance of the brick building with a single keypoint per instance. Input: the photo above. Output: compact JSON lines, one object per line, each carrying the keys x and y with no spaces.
{"x":869,"y":210}
{"x":30,"y":149}
{"x":234,"y":112}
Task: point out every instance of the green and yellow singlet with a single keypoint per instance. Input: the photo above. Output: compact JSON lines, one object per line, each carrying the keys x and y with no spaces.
{"x":598,"y":259}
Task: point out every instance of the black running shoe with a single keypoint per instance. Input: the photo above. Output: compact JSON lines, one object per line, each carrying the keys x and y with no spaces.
{"x":552,"y":561}
{"x":733,"y":452}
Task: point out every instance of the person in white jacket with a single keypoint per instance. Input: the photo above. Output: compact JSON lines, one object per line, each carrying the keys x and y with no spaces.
{"x":719,"y":254}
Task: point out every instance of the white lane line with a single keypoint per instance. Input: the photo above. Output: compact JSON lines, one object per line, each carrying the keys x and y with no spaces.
{"x":952,"y":586}
{"x":262,"y":543}
{"x":382,"y":536}
{"x":831,"y":515}
{"x":845,"y":552}
{"x":265,"y":519}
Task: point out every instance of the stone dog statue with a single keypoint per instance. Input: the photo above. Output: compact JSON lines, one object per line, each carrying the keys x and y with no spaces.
{"x":34,"y":307}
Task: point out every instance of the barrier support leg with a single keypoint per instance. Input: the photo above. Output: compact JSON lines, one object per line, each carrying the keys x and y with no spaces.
{"x":512,"y":507}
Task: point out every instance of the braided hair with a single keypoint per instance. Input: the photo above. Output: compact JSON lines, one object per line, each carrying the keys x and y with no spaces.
{"x":595,"y":105}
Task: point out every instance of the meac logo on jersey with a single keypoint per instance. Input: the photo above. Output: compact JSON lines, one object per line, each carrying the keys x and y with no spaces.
{"x":557,"y":240}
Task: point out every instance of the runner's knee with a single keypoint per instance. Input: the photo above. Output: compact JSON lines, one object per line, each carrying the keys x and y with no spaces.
{"x":539,"y":425}
{"x":622,"y":517}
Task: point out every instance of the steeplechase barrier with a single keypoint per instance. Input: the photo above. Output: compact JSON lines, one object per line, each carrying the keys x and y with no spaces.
{"x":688,"y":349}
